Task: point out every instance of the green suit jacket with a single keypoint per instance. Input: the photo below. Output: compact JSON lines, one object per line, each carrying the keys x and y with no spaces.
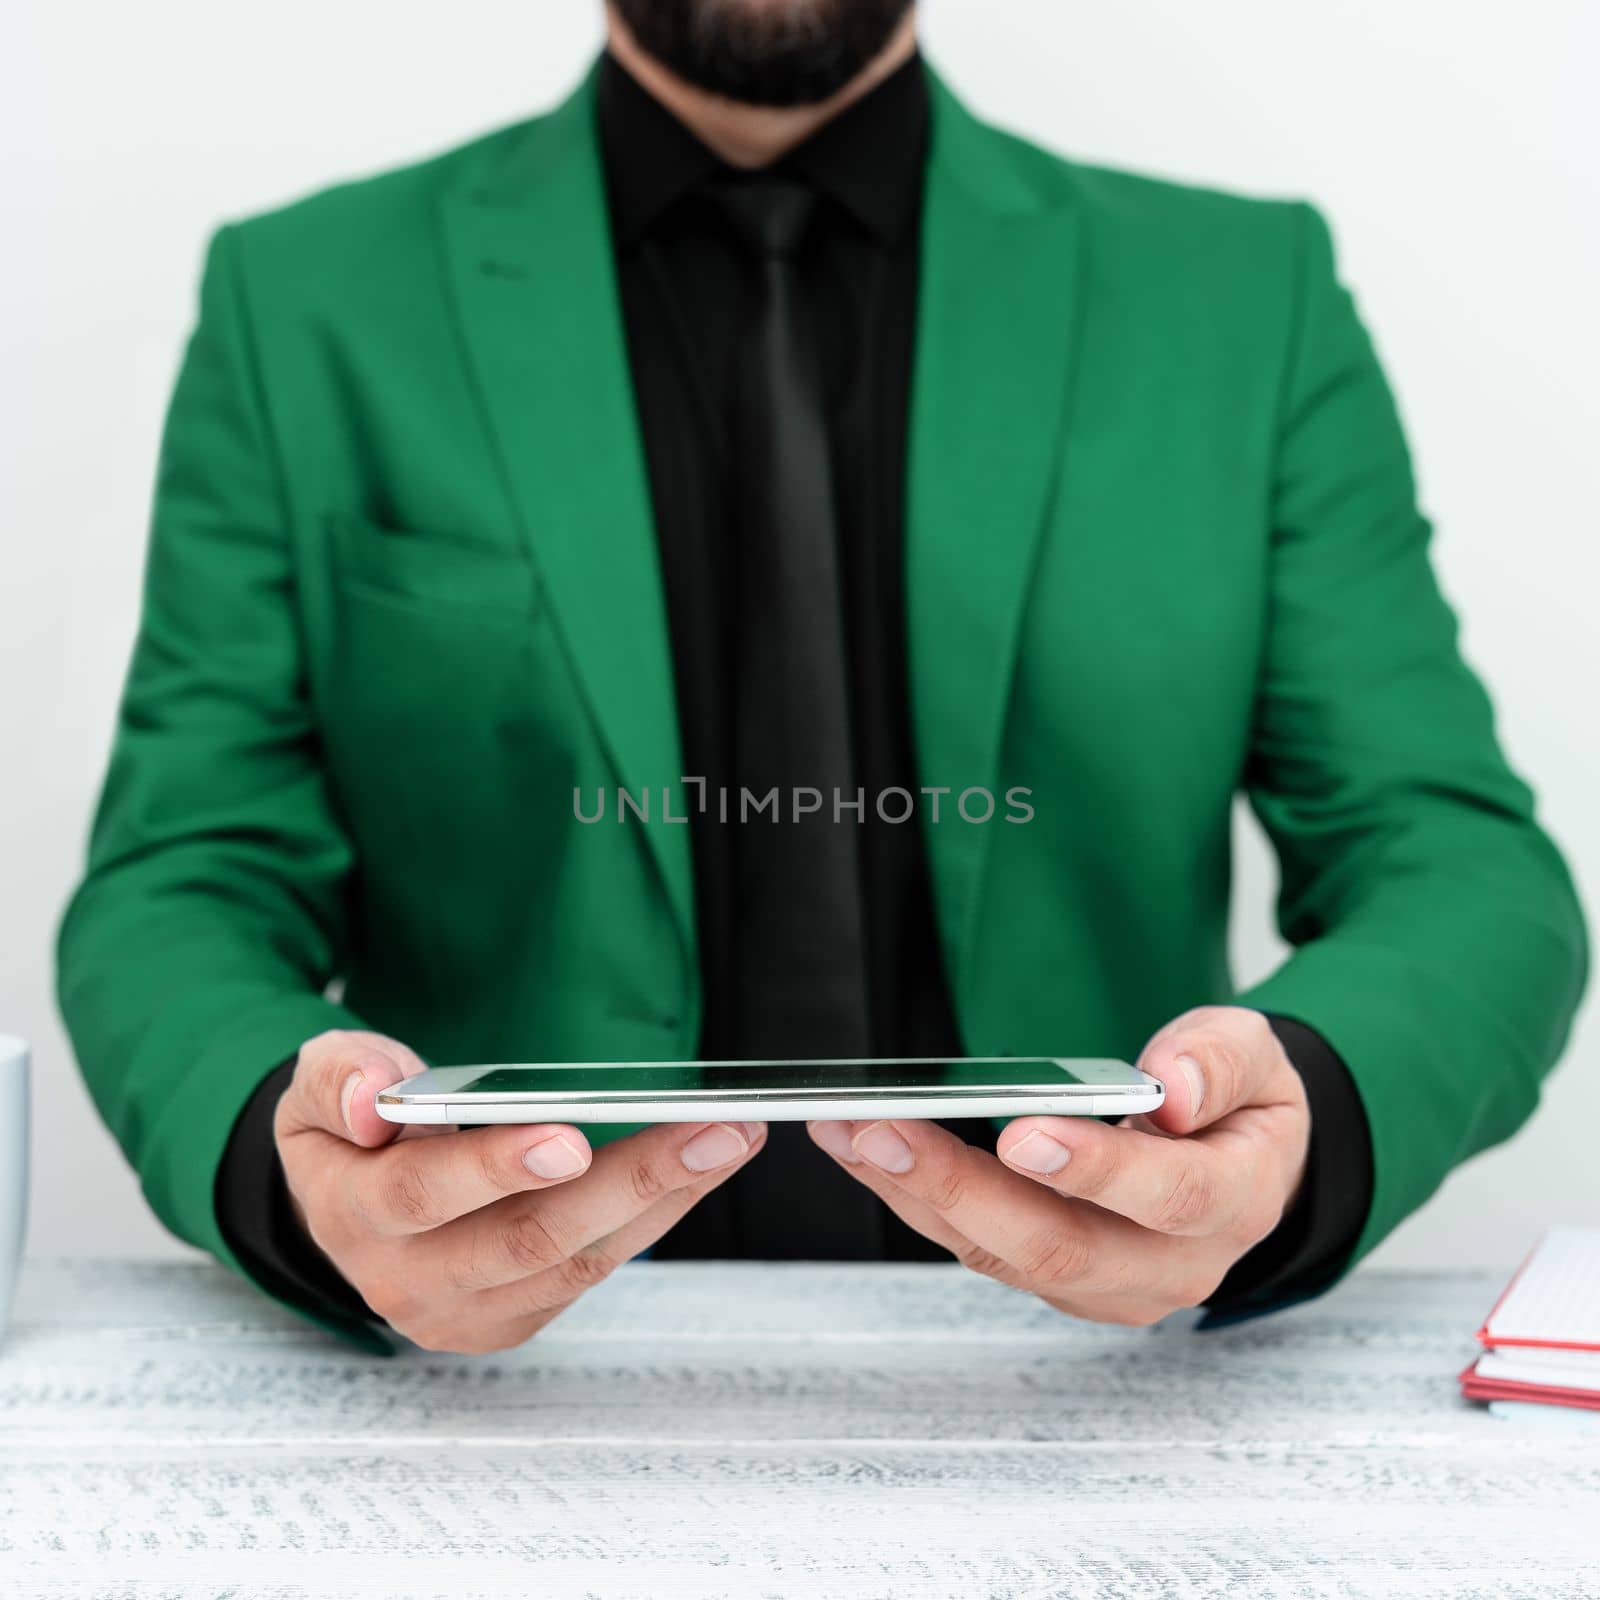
{"x":403,"y":598}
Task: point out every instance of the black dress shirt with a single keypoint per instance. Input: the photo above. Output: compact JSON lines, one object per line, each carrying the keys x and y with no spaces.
{"x":679,"y":274}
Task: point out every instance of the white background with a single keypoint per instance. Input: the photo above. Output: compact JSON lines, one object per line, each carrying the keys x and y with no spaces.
{"x":1449,"y":140}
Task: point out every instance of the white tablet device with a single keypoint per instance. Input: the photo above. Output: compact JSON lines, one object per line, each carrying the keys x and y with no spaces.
{"x":770,"y":1091}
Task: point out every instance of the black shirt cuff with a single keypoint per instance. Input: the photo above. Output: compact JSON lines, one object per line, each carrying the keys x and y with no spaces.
{"x":1310,"y":1247}
{"x":257,"y":1220}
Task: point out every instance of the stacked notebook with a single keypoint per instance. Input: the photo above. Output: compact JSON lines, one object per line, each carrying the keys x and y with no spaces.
{"x":1542,"y":1339}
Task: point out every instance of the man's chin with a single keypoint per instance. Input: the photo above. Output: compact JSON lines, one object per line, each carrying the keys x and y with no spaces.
{"x":764,"y":52}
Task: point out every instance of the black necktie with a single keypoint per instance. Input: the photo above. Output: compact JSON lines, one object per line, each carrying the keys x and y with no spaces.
{"x":802,"y":959}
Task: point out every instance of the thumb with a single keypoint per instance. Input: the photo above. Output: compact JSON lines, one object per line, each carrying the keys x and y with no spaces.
{"x":336,"y":1077}
{"x":1212,"y":1061}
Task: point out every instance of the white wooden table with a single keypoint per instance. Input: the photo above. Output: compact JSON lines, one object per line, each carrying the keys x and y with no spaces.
{"x":706,"y":1430}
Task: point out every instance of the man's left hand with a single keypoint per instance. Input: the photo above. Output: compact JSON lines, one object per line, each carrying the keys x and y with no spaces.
{"x":1113,"y":1223}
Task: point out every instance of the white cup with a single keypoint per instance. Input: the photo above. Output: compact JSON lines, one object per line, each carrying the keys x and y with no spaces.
{"x":13,"y":1165}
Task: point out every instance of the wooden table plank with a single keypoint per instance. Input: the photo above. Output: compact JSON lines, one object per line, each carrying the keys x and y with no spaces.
{"x":786,"y":1430}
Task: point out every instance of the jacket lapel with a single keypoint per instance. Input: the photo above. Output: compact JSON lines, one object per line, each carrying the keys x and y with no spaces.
{"x":531,"y":262}
{"x":530,"y":258}
{"x":995,"y":335}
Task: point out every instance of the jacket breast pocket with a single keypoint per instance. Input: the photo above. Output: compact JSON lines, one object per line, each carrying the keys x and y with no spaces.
{"x":433,"y":571}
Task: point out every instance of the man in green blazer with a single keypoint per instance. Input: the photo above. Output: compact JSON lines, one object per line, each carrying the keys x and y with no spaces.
{"x":498,"y":484}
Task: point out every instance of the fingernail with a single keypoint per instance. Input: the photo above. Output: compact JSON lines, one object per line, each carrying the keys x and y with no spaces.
{"x":1196,"y":1078}
{"x":347,"y":1096}
{"x":555,"y":1157}
{"x":714,"y":1147}
{"x":1038,"y":1153}
{"x":834,"y":1137}
{"x":883,"y":1147}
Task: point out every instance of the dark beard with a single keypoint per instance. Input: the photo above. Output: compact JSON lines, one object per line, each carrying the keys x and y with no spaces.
{"x":764,"y":52}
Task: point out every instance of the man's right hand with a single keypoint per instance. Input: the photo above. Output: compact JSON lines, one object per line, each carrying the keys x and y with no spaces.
{"x":472,"y":1241}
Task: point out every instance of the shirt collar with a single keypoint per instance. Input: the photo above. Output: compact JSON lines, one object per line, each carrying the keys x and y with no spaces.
{"x":868,"y":159}
{"x":651,"y":160}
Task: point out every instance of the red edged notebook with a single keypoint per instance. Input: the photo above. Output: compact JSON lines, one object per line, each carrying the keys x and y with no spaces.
{"x":1542,"y":1338}
{"x":1476,"y":1388}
